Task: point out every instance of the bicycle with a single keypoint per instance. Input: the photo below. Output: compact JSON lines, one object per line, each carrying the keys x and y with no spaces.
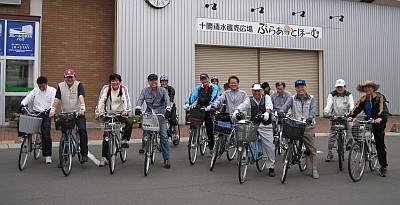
{"x":278,"y":142}
{"x":198,"y":134}
{"x":363,"y":149}
{"x":150,"y":124}
{"x":30,"y":125}
{"x":114,"y":131}
{"x":249,"y":148}
{"x":293,"y":130}
{"x":223,"y":138}
{"x":339,"y":125}
{"x":174,"y":136}
{"x":69,"y":143}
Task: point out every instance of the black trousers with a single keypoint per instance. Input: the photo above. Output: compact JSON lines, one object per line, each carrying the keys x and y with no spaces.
{"x":127,"y":135}
{"x":379,"y":135}
{"x":208,"y":121}
{"x":46,"y":138}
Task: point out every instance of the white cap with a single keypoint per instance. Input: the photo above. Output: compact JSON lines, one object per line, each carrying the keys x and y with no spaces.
{"x":256,"y":87}
{"x":340,"y":83}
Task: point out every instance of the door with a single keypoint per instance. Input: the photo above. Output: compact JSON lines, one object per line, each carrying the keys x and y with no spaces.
{"x":1,"y":92}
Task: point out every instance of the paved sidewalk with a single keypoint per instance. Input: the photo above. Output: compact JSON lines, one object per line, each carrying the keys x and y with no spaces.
{"x":9,"y":138}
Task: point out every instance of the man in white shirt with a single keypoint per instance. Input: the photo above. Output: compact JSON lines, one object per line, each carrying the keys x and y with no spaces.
{"x":42,"y":98}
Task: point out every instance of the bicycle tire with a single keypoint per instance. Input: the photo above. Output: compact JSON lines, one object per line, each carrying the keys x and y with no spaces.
{"x":112,"y":152}
{"x":230,"y":148}
{"x":242,"y":164}
{"x":148,"y":147}
{"x":340,"y":150}
{"x":176,"y":137}
{"x":287,"y":160}
{"x":122,"y":153}
{"x":356,"y":161}
{"x":260,"y":161}
{"x":216,"y":150}
{"x":373,"y":157}
{"x":37,"y":145}
{"x":192,"y":146}
{"x":23,"y":153}
{"x":154,"y":146}
{"x":277,"y":145}
{"x":65,"y":155}
{"x":203,"y":140}
{"x":302,"y":156}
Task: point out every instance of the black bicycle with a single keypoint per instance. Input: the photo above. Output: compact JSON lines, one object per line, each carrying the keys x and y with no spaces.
{"x":339,"y":125}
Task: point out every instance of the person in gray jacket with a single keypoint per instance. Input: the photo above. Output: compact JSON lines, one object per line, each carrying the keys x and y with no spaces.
{"x":233,"y":97}
{"x":339,"y":103}
{"x":304,"y":107}
{"x":280,"y":97}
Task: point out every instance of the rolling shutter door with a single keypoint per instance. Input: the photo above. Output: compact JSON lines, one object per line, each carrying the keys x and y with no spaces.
{"x":226,"y":61}
{"x":288,"y":66}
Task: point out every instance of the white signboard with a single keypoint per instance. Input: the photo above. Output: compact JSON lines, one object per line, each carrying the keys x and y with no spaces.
{"x":260,"y":28}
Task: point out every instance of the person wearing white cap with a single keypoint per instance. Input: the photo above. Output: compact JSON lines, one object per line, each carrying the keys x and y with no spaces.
{"x":261,"y":104}
{"x":340,"y":102}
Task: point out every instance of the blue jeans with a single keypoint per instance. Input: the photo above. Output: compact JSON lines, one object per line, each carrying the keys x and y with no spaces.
{"x":163,"y":137}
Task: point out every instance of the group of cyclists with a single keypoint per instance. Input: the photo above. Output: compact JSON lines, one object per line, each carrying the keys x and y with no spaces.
{"x":114,"y":99}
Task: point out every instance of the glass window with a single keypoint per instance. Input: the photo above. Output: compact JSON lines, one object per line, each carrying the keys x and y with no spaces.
{"x":19,"y":75}
{"x":11,"y":106}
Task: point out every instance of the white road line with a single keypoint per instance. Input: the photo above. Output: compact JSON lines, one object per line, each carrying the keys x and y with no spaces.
{"x":93,"y":158}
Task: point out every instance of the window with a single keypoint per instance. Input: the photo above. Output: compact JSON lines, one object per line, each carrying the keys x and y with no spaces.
{"x":19,"y":75}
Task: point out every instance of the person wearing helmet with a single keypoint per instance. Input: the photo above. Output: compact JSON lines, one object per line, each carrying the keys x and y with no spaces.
{"x":171,"y":93}
{"x":215,"y":81}
{"x":339,"y":103}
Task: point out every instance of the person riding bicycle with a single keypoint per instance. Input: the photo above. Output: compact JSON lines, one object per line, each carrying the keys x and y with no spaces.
{"x":114,"y":99}
{"x":267,"y":90}
{"x":280,"y":97}
{"x":157,"y":100}
{"x":71,"y":95}
{"x":373,"y":109}
{"x":42,"y":98}
{"x":339,"y":103}
{"x":304,"y":107}
{"x":231,"y":98}
{"x":171,"y":93}
{"x":204,"y":96}
{"x":261,"y":104}
{"x":215,"y":80}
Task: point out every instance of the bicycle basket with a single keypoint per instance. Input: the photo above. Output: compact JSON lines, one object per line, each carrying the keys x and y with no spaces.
{"x":29,"y":124}
{"x":293,"y":129}
{"x":223,"y":116}
{"x":196,"y":117}
{"x":357,"y":129}
{"x":246,"y":132}
{"x":65,"y":121}
{"x":339,"y":124}
{"x":150,"y":123}
{"x":108,"y":126}
{"x":221,"y":127}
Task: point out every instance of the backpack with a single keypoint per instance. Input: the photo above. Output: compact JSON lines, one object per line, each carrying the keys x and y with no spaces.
{"x":386,"y":114}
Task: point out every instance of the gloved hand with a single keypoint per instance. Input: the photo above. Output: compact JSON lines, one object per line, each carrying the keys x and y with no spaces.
{"x":208,"y":108}
{"x":235,"y":112}
{"x":309,"y":121}
{"x":326,"y":115}
{"x":186,"y":106}
{"x":167,"y":115}
{"x":138,"y":111}
{"x":20,"y":108}
{"x":239,"y":115}
{"x":281,"y":114}
{"x":266,"y":116}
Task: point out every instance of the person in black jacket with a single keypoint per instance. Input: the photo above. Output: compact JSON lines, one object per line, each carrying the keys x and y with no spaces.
{"x":171,"y":93}
{"x":373,"y":108}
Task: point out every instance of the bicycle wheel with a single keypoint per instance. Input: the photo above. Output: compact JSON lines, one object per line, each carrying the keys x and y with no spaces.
{"x":78,"y":147}
{"x":277,"y":143}
{"x":340,"y":150}
{"x":243,"y":154}
{"x":147,"y":154}
{"x":261,"y":161}
{"x":37,"y":145}
{"x":203,"y":140}
{"x":230,"y":148}
{"x":356,"y":161}
{"x":176,"y":137}
{"x":112,"y":152}
{"x":373,"y":157}
{"x":23,"y":152}
{"x":287,"y":160}
{"x":122,"y":153}
{"x":216,"y":150}
{"x":302,"y":156}
{"x":65,"y":154}
{"x":154,"y":146}
{"x":192,"y":146}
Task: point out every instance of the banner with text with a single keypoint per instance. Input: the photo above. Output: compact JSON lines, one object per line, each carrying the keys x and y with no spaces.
{"x":20,"y":38}
{"x":2,"y":37}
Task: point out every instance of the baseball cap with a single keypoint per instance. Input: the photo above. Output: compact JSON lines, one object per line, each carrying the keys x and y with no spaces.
{"x":152,"y":77}
{"x":69,"y":73}
{"x":299,"y":82}
{"x":256,"y":86}
{"x":340,"y":83}
{"x":203,"y":75}
{"x":264,"y":85}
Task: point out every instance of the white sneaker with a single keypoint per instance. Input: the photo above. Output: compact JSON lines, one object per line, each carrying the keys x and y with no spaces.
{"x":48,"y":160}
{"x":103,"y":162}
{"x":315,"y":174}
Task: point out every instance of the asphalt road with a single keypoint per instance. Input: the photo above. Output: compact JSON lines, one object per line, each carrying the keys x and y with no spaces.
{"x":39,"y":183}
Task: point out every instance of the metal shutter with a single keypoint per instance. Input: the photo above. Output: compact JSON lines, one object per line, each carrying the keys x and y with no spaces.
{"x":226,"y":61}
{"x":288,"y":66}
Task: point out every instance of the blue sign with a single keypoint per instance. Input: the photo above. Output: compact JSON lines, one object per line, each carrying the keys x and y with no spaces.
{"x":20,"y":38}
{"x":2,"y":37}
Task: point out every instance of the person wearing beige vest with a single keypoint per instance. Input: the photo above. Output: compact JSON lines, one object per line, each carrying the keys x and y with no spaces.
{"x":71,"y":94}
